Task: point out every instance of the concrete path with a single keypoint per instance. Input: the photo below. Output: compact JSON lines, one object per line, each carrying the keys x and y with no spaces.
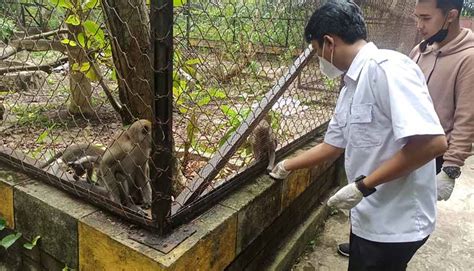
{"x":450,"y":247}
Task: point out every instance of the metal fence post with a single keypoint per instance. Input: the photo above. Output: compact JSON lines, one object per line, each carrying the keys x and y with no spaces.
{"x":161,"y":19}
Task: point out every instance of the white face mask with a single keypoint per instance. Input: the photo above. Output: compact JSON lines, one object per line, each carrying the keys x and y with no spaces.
{"x":327,"y":68}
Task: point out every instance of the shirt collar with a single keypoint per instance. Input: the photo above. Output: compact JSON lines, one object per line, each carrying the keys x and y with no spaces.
{"x":359,"y":61}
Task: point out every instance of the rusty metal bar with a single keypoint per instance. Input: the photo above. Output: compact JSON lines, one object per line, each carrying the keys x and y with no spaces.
{"x":161,"y":18}
{"x":220,"y":158}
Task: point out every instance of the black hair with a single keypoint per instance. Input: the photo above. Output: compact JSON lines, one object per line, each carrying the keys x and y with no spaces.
{"x":341,"y":18}
{"x":447,"y":5}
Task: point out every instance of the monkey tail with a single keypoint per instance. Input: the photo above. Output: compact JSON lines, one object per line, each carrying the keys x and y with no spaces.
{"x":52,"y":159}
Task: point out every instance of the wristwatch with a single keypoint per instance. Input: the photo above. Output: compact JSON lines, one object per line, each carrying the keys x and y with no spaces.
{"x":362,"y":188}
{"x":452,"y":171}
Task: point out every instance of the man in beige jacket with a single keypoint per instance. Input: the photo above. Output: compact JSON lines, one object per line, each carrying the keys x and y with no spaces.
{"x":446,"y":57}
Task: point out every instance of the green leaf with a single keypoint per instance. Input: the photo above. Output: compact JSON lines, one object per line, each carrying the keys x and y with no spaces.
{"x":204,"y":101}
{"x":193,"y":61}
{"x":228,"y":111}
{"x":31,"y":245}
{"x":90,"y":4}
{"x":113,"y":76}
{"x":81,"y":39}
{"x":191,"y":128}
{"x":62,"y":3}
{"x":42,"y":136}
{"x":92,"y":75}
{"x":93,"y":30}
{"x":217,"y":93}
{"x":69,"y":42}
{"x":73,"y":19}
{"x":179,"y":3}
{"x":3,"y":223}
{"x":65,"y":4}
{"x":9,"y":240}
{"x":75,"y":67}
{"x":86,"y":66}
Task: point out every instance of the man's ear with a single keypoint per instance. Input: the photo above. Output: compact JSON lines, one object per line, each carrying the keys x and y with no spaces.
{"x":329,"y":42}
{"x":453,"y":15}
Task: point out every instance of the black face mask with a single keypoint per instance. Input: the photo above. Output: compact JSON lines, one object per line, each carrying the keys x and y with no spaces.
{"x":438,"y":37}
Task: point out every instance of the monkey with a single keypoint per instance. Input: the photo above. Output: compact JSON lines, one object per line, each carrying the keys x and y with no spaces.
{"x":123,"y":168}
{"x":82,"y":158}
{"x":263,"y":142}
{"x":85,"y":165}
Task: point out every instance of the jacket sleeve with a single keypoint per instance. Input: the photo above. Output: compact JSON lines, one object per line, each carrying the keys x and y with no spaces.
{"x":462,"y":135}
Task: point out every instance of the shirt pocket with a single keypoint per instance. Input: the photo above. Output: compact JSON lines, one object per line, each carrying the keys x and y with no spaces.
{"x":363,"y":129}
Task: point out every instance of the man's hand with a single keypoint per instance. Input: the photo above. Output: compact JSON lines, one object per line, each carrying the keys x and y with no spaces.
{"x":279,"y":172}
{"x":445,"y":185}
{"x":346,"y":198}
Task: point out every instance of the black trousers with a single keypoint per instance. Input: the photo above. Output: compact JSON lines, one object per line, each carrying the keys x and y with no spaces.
{"x":439,"y":164}
{"x":366,"y":255}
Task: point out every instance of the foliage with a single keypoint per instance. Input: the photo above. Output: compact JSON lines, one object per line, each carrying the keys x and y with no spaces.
{"x":190,"y":98}
{"x":32,"y":115}
{"x":468,"y":10}
{"x":7,"y":26}
{"x":10,"y":239}
{"x":262,"y":22}
{"x":91,"y":38}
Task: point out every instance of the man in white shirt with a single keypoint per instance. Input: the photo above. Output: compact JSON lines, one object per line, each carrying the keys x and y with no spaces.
{"x":386,"y":125}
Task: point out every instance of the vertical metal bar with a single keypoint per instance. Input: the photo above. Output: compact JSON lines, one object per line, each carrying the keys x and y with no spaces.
{"x":161,"y":19}
{"x":290,"y":10}
{"x":22,"y":8}
{"x":188,"y":22}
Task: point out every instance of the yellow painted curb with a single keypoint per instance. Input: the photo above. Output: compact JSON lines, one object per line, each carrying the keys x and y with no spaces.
{"x":98,"y":251}
{"x":6,"y":204}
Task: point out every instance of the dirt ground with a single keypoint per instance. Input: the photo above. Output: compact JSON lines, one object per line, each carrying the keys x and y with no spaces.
{"x":450,"y":247}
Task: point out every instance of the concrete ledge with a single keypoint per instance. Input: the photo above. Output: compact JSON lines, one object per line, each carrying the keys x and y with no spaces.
{"x":295,"y":243}
{"x":8,"y":180}
{"x":45,"y":211}
{"x":104,"y":245}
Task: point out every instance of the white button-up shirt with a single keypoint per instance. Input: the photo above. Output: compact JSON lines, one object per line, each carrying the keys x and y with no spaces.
{"x":385,"y":100}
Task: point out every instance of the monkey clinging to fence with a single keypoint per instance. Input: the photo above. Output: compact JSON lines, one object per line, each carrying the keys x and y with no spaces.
{"x":263,"y":142}
{"x":124,"y":169}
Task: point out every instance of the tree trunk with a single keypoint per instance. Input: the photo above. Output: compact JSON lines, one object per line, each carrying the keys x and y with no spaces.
{"x":128,"y":23}
{"x":81,"y":89}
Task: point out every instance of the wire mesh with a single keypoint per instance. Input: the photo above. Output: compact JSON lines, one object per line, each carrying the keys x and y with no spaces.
{"x":72,"y":71}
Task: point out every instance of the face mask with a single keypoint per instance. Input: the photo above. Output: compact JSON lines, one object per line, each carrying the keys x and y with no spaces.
{"x":327,"y":68}
{"x":438,"y":37}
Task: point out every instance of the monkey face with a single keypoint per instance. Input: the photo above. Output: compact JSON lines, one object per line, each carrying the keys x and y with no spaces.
{"x":141,"y":130}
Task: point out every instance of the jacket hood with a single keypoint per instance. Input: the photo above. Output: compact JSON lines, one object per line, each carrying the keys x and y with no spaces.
{"x":464,"y":40}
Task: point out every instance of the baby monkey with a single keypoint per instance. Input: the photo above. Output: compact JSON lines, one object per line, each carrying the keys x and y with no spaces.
{"x":81,"y":158}
{"x":263,"y":142}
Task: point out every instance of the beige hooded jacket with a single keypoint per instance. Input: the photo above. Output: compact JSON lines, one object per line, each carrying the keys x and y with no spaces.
{"x":449,"y":72}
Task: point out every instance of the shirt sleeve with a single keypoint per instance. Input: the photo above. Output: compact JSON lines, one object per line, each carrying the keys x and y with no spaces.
{"x":409,"y":104}
{"x":335,"y":133}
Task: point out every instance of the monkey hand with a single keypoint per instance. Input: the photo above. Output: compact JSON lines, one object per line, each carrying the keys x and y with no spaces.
{"x":279,"y":172}
{"x":346,"y":198}
{"x":445,"y":186}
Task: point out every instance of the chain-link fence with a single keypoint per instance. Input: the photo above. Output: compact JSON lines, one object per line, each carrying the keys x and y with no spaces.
{"x":240,"y":80}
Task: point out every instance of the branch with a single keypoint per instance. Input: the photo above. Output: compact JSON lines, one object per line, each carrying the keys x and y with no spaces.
{"x":7,"y":52}
{"x":46,"y":67}
{"x":106,"y":88}
{"x":46,"y":34}
{"x":39,"y":45}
